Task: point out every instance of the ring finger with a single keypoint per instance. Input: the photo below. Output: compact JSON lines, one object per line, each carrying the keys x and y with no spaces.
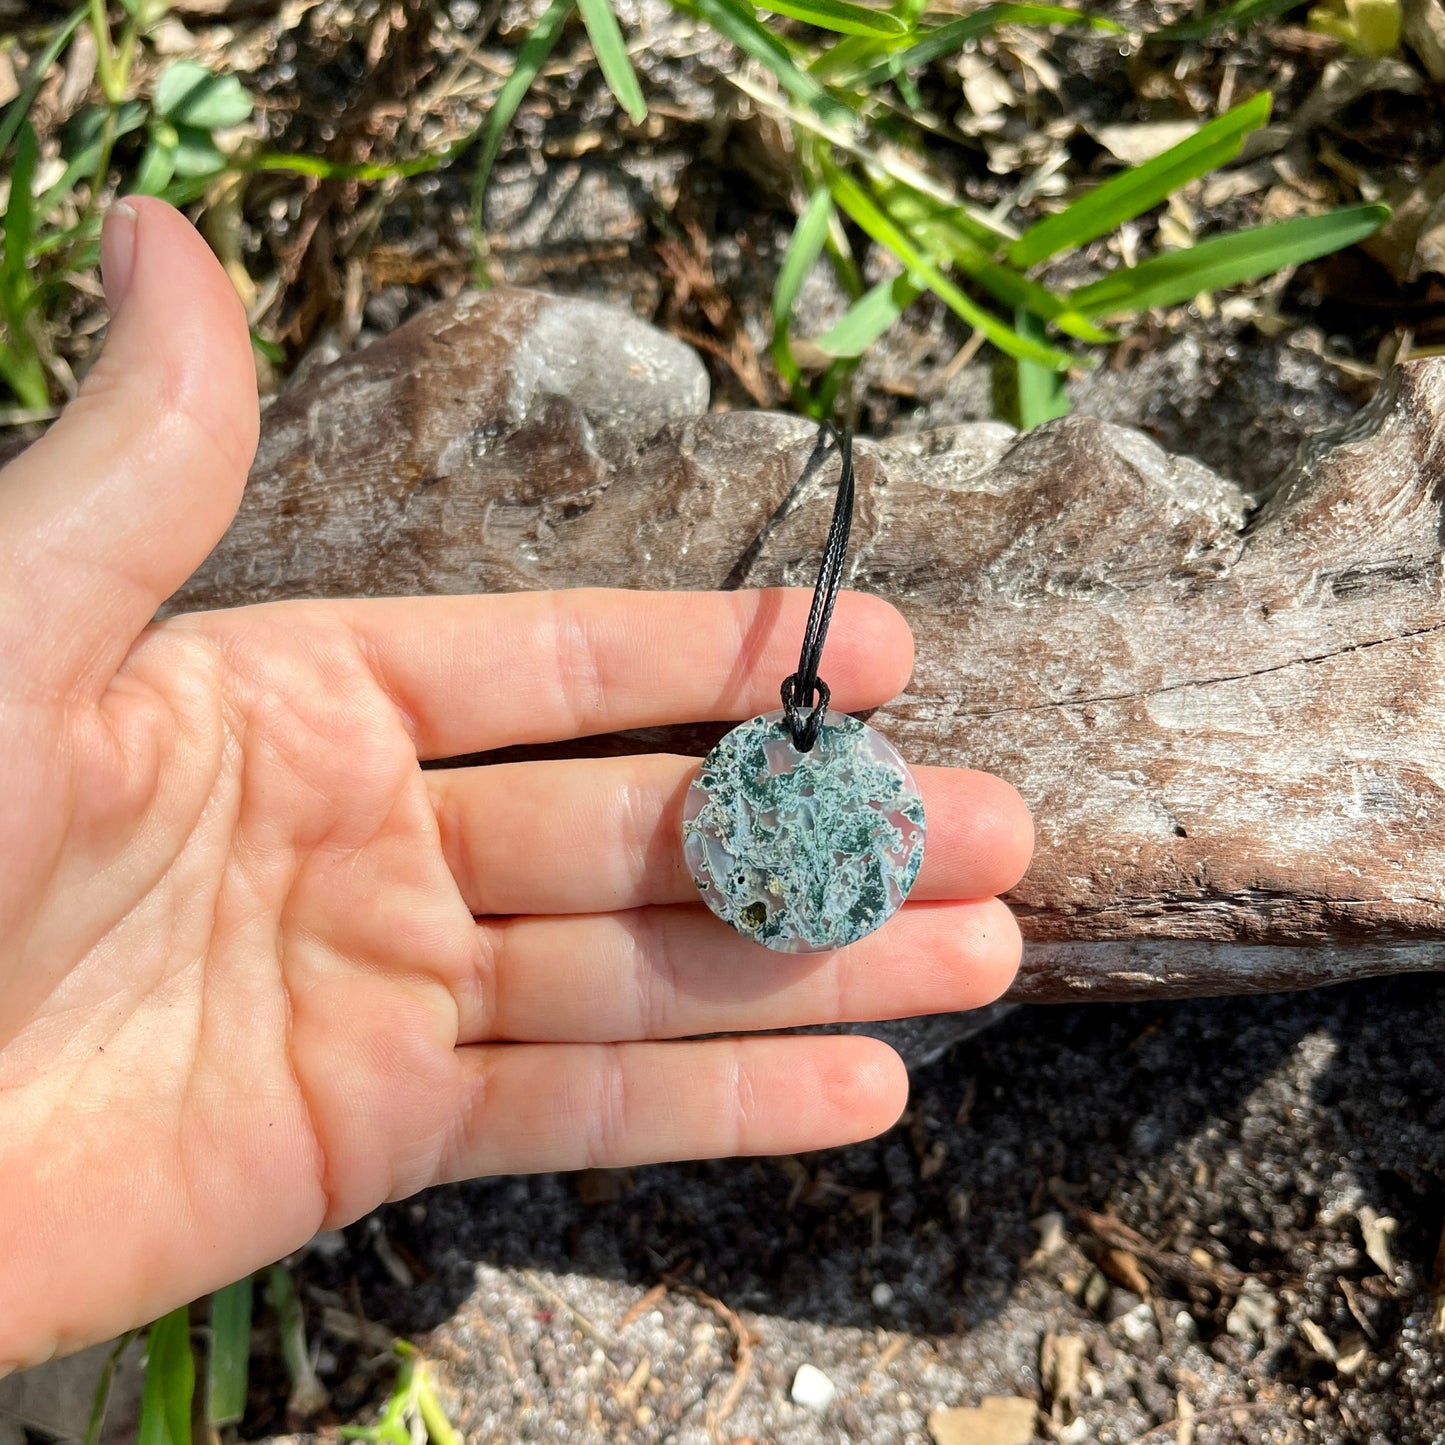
{"x":676,"y":971}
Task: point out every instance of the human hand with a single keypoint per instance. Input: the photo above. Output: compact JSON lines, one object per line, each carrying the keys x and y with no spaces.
{"x":259,"y":972}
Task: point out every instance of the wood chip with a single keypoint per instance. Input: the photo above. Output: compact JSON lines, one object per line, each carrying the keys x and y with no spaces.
{"x":1378,"y":1230}
{"x":1318,"y":1340}
{"x":1124,"y":1268}
{"x":996,"y":1420}
{"x":1061,"y":1366}
{"x":1184,"y":1411}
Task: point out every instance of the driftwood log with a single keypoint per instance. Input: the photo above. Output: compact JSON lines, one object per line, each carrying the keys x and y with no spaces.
{"x":1228,"y":713}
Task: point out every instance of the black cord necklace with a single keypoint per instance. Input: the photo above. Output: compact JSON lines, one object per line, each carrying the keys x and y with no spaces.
{"x":804,"y":828}
{"x":799,"y":687}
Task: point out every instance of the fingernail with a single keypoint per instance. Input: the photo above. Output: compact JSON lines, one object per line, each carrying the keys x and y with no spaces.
{"x":117,"y":254}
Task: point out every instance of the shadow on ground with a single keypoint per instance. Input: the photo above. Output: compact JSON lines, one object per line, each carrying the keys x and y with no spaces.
{"x":1254,"y":1135}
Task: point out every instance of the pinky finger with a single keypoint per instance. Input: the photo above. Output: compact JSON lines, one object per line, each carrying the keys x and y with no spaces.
{"x":528,"y":1108}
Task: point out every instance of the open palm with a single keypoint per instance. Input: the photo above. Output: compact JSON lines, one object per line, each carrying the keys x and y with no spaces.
{"x":260,"y":972}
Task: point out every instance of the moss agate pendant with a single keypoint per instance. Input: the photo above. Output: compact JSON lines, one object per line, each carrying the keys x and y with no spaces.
{"x":804,"y":851}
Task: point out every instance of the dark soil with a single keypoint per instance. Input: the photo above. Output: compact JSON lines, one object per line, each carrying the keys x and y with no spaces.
{"x":1245,"y":1141}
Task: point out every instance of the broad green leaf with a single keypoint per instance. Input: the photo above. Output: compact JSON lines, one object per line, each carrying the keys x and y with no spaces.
{"x":196,"y":154}
{"x":157,"y":166}
{"x":84,"y":134}
{"x":809,"y":236}
{"x":189,"y":94}
{"x":612,"y":56}
{"x":170,"y":1380}
{"x":1179,"y":276}
{"x":19,"y":108}
{"x":736,"y":21}
{"x":1132,"y":192}
{"x":19,"y":219}
{"x":85,"y":146}
{"x":1238,"y":15}
{"x":146,"y":12}
{"x":951,"y":36}
{"x":870,"y":316}
{"x":228,"y":1358}
{"x":866,"y":213}
{"x":530,"y":59}
{"x":838,"y":16}
{"x":949,"y":235}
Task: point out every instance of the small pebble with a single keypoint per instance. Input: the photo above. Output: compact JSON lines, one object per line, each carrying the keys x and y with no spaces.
{"x":882,"y":1295}
{"x":1137,"y":1324}
{"x":812,"y":1389}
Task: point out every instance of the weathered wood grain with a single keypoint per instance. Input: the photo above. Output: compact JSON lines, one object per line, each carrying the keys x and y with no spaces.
{"x":1228,"y":718}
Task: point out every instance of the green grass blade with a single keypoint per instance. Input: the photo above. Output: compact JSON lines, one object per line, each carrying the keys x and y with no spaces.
{"x":308,"y":1394}
{"x":24,"y":373}
{"x":100,"y":1401}
{"x":950,"y":234}
{"x":439,"y":1429}
{"x":736,"y":22}
{"x":953,"y":35}
{"x":19,"y":108}
{"x":851,"y":198}
{"x":19,"y":218}
{"x":1239,"y":14}
{"x":228,"y":1360}
{"x":806,"y":245}
{"x":1132,"y":192}
{"x":530,"y":60}
{"x":170,"y":1381}
{"x":870,"y":316}
{"x":851,"y":55}
{"x":839,"y":16}
{"x":1024,"y":392}
{"x":612,"y":56}
{"x":1229,"y":260}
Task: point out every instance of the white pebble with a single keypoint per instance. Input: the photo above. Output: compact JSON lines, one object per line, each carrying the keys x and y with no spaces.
{"x":882,"y":1295}
{"x":1138,"y":1324}
{"x":812,"y":1389}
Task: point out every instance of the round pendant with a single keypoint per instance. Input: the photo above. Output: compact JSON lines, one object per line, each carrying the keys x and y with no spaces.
{"x":803,"y":852}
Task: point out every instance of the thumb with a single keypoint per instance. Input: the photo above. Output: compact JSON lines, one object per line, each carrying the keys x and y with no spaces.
{"x":105,"y":516}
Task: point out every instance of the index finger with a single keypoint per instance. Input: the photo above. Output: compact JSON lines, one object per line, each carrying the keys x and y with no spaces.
{"x":476,"y":673}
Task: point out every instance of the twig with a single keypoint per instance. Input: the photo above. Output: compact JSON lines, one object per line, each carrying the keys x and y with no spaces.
{"x":597,"y":1335}
{"x":1217,"y":1275}
{"x":640,"y":1307}
{"x":743,"y":1360}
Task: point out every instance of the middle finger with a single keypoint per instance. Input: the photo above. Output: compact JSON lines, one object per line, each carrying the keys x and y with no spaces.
{"x":591,"y":835}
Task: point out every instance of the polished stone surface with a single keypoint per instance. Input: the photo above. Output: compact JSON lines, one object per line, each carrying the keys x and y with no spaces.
{"x":803,"y":852}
